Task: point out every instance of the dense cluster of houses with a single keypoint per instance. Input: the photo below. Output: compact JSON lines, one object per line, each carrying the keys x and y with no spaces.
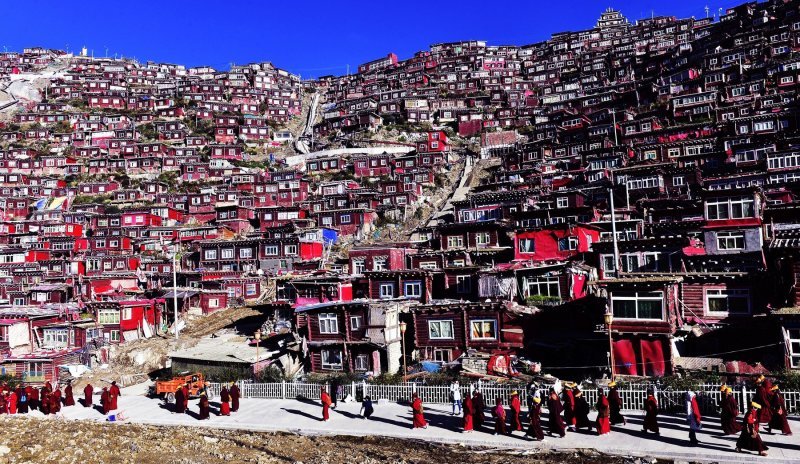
{"x":647,"y":171}
{"x":636,"y":203}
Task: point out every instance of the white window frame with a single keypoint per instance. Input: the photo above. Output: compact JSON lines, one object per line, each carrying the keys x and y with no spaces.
{"x":472,"y":322}
{"x":414,"y":287}
{"x":386,"y":290}
{"x":637,"y":298}
{"x":325,"y":358}
{"x":726,"y":294}
{"x":441,"y":333}
{"x":543,"y":282}
{"x":328,"y":323}
{"x":730,"y":238}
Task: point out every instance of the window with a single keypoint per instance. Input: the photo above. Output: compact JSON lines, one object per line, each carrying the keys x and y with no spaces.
{"x":735,"y":301}
{"x":245,"y":253}
{"x":428,"y":265}
{"x":108,"y":316}
{"x":455,"y":241}
{"x":442,"y":355}
{"x":328,"y":323}
{"x":638,"y":305}
{"x":213,"y":303}
{"x":526,"y":245}
{"x":562,"y":202}
{"x":344,"y":219}
{"x":541,"y":285}
{"x":127,"y":314}
{"x":568,"y":243}
{"x":764,"y":126}
{"x":386,"y":290}
{"x":440,"y":330}
{"x":677,"y":181}
{"x":113,"y":336}
{"x":463,"y":284}
{"x":227,"y":253}
{"x":211,"y":254}
{"x":482,"y":238}
{"x":361,"y":362}
{"x":730,"y":208}
{"x":290,"y":250}
{"x":730,"y":240}
{"x":358,"y":266}
{"x":379,"y":263}
{"x":483,"y":329}
{"x":412,"y":289}
{"x":331,"y":359}
{"x":54,"y":338}
{"x":355,"y":322}
{"x":794,"y":346}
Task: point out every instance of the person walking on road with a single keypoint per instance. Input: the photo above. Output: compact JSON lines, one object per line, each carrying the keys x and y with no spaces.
{"x":693,"y":417}
{"x":478,"y":405}
{"x":69,"y":399}
{"x":535,"y":419}
{"x":366,"y":408}
{"x":455,"y":397}
{"x":205,"y":408}
{"x":180,"y":405}
{"x":469,"y":412}
{"x":499,"y":413}
{"x":326,"y":401}
{"x":516,"y":412}
{"x":235,"y":395}
{"x":88,"y":391}
{"x":729,"y":412}
{"x":569,"y":405}
{"x":104,"y":401}
{"x":582,"y":410}
{"x":779,"y":420}
{"x":650,"y":413}
{"x":615,"y":403}
{"x":750,"y":439}
{"x":418,"y":413}
{"x":554,"y":409}
{"x":603,"y":413}
{"x":224,"y":402}
{"x":763,"y":387}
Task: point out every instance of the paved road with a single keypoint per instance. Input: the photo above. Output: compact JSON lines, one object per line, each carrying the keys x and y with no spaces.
{"x":393,"y":420}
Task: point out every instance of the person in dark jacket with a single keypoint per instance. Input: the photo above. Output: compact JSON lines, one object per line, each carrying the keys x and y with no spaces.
{"x":180,"y":405}
{"x":205,"y":409}
{"x":366,"y":408}
{"x":235,"y":395}
{"x":22,"y":400}
{"x":554,"y":409}
{"x":477,"y":402}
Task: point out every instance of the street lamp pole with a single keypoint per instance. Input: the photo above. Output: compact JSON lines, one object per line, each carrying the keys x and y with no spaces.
{"x":609,"y":318}
{"x":403,"y":342}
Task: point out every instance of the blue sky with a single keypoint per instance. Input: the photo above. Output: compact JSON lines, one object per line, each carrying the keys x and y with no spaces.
{"x":308,"y":37}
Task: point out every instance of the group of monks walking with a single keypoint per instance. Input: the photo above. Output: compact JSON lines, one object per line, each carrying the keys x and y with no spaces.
{"x":229,"y":401}
{"x":569,"y":411}
{"x":26,"y":398}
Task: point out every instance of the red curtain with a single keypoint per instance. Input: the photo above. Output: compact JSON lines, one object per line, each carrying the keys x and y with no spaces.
{"x":653,"y":359}
{"x":625,"y":358}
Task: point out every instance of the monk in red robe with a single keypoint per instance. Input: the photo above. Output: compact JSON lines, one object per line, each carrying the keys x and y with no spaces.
{"x":185,"y":389}
{"x":105,"y":401}
{"x":113,"y":394}
{"x":33,"y":397}
{"x":603,"y":413}
{"x":729,"y":412}
{"x":56,"y":400}
{"x":225,"y":402}
{"x":582,"y":410}
{"x":44,"y":403}
{"x":554,"y":409}
{"x":180,"y":407}
{"x":615,"y":403}
{"x":205,"y":408}
{"x":763,"y":387}
{"x":22,"y":400}
{"x":477,"y":403}
{"x":12,"y":402}
{"x":69,"y":400}
{"x":499,"y":413}
{"x":326,"y":401}
{"x":779,"y":420}
{"x":235,"y":395}
{"x":569,"y":406}
{"x":750,"y":439}
{"x":88,"y":390}
{"x":650,"y":413}
{"x":419,"y":415}
{"x":469,"y":411}
{"x":516,"y":412}
{"x":535,"y":420}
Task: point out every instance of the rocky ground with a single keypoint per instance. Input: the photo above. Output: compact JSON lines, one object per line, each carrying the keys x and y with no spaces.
{"x":53,"y":440}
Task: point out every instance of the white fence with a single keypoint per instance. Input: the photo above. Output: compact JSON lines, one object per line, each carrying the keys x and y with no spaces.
{"x":633,"y":396}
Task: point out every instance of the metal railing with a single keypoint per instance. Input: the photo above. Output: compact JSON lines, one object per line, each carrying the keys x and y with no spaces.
{"x":633,"y":396}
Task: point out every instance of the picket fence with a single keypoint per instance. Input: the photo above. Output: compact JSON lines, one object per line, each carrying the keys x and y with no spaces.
{"x":633,"y":396}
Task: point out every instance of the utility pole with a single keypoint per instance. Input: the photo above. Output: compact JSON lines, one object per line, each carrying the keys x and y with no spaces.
{"x":175,"y":287}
